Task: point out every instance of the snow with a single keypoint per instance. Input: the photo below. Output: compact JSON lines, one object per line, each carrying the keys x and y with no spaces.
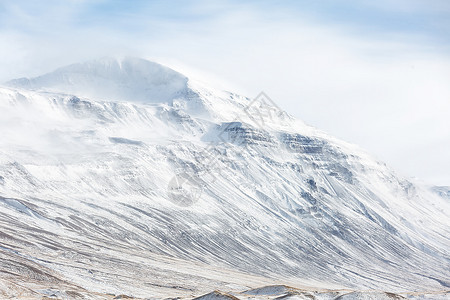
{"x":126,"y":79}
{"x":91,"y":156}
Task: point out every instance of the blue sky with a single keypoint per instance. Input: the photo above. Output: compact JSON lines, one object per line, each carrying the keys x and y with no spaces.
{"x":380,"y":17}
{"x":375,"y":73}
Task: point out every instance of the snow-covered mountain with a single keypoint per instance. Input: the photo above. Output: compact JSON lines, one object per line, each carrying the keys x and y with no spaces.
{"x":124,"y":176}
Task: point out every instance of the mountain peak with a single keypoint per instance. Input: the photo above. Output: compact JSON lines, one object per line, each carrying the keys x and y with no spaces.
{"x":117,"y":79}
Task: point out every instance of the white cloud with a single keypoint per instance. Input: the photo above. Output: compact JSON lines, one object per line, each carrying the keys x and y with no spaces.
{"x":410,"y":6}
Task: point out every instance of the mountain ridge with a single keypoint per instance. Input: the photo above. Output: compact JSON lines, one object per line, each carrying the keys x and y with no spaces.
{"x":206,"y":178}
{"x":109,"y":78}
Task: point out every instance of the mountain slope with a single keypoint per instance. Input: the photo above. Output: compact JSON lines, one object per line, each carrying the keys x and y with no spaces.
{"x":168,"y":189}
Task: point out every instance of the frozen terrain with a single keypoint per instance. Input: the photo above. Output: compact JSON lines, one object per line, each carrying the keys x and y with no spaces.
{"x":125,"y":177}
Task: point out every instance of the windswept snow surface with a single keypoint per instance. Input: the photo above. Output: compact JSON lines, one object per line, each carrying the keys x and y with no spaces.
{"x":127,"y":79}
{"x":123,"y":176}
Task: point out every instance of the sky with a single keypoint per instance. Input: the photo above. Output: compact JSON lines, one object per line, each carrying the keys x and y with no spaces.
{"x":373,"y":73}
